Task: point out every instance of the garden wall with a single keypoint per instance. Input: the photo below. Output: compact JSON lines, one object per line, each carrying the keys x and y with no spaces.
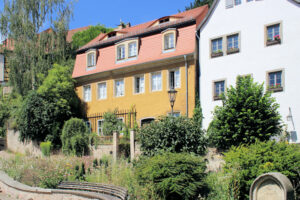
{"x":32,"y":148}
{"x":20,"y":191}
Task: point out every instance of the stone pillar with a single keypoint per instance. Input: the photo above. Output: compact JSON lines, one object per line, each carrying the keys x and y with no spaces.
{"x":115,"y":145}
{"x":132,"y":145}
{"x":272,"y":186}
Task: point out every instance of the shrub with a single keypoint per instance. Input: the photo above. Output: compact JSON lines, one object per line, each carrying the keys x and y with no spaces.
{"x":46,"y":148}
{"x":111,"y":123}
{"x":75,"y":137}
{"x":247,"y":114}
{"x":172,"y":175}
{"x":172,"y":134}
{"x":259,"y":158}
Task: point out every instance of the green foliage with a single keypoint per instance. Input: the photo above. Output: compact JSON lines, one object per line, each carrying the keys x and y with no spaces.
{"x":46,"y":148}
{"x":172,"y":134}
{"x":247,"y":114}
{"x":250,"y":162}
{"x":111,"y":123}
{"x":198,"y":3}
{"x":80,"y":172}
{"x":44,"y":112}
{"x":34,"y":52}
{"x":172,"y":175}
{"x":4,"y":114}
{"x":75,"y":137}
{"x":197,"y":115}
{"x":83,"y":37}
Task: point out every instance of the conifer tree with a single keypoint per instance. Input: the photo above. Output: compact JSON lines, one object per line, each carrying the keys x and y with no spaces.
{"x":248,"y":114}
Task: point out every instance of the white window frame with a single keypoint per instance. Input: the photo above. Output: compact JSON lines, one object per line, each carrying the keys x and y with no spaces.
{"x":98,"y":91}
{"x":100,"y":129}
{"x":161,"y":82}
{"x":169,"y":41}
{"x":135,"y":49}
{"x":115,"y":88}
{"x":178,"y":79}
{"x":214,"y":97}
{"x":119,"y":52}
{"x":84,"y":95}
{"x":134,"y":84}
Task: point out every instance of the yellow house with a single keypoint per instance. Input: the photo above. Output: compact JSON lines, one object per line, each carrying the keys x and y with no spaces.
{"x":137,"y":66}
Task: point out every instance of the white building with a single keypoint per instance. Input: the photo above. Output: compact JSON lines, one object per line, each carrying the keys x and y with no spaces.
{"x":260,"y":38}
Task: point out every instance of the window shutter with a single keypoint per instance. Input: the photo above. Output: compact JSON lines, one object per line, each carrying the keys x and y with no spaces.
{"x":1,"y":68}
{"x":177,"y":79}
{"x":229,"y":3}
{"x":142,"y":84}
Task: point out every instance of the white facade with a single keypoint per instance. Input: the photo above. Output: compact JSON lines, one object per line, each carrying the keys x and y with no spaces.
{"x":249,"y":20}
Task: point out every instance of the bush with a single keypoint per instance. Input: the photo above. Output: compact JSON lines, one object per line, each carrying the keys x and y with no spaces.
{"x":75,"y":137}
{"x":247,"y":114}
{"x":172,"y":175}
{"x":111,"y":123}
{"x":259,"y":158}
{"x":172,"y":134}
{"x":46,"y":148}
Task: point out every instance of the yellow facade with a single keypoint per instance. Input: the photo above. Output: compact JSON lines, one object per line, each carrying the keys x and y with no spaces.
{"x":150,"y":104}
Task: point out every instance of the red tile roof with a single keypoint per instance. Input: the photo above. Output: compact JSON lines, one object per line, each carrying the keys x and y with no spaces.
{"x":150,"y":48}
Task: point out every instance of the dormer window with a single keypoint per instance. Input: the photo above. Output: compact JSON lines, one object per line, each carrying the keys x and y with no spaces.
{"x":91,"y":58}
{"x":127,"y":50}
{"x":121,"y":52}
{"x":132,"y":49}
{"x":113,"y":34}
{"x":169,"y":40}
{"x":164,"y":20}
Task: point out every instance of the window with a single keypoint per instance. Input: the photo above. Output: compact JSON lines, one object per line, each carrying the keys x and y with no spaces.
{"x":175,"y":114}
{"x":169,"y":41}
{"x":112,"y":34}
{"x":89,"y":126}
{"x":139,"y":84}
{"x":146,"y":121}
{"x":91,"y":59}
{"x":273,"y":34}
{"x":275,"y":81}
{"x":121,"y":52}
{"x":174,"y":79}
{"x":219,"y":88}
{"x":100,"y":127}
{"x":119,"y":88}
{"x":164,"y":20}
{"x":87,"y":93}
{"x":102,"y":92}
{"x":233,"y":44}
{"x":237,"y":2}
{"x":217,"y":47}
{"x":156,"y":81}
{"x":132,"y":50}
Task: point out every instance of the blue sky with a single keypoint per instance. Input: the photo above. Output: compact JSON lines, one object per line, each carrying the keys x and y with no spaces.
{"x":109,"y":12}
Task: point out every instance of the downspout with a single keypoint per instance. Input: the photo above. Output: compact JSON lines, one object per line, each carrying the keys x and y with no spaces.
{"x":199,"y":76}
{"x":187,"y":86}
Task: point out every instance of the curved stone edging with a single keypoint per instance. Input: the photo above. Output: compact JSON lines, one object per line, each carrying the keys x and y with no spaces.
{"x":21,"y":191}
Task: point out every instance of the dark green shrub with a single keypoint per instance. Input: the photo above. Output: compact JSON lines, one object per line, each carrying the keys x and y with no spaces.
{"x":247,"y":114}
{"x":46,"y":148}
{"x":172,"y":175}
{"x":104,"y":161}
{"x":250,"y":162}
{"x":95,"y":163}
{"x":172,"y":134}
{"x":75,"y":137}
{"x":111,"y":123}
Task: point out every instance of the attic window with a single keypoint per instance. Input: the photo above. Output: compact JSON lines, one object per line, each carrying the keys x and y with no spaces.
{"x":164,"y":20}
{"x":113,"y":34}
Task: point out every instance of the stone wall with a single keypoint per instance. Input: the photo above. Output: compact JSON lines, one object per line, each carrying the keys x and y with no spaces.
{"x":23,"y":192}
{"x":14,"y":145}
{"x":32,"y":148}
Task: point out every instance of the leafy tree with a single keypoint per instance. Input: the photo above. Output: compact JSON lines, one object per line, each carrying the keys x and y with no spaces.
{"x":111,"y":123}
{"x":263,"y":157}
{"x":172,"y":175}
{"x":4,"y":113}
{"x":197,"y":115}
{"x":247,"y":114}
{"x":44,"y":111}
{"x":198,"y":3}
{"x":172,"y":134}
{"x":34,"y":52}
{"x":75,"y":137}
{"x":83,"y":37}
